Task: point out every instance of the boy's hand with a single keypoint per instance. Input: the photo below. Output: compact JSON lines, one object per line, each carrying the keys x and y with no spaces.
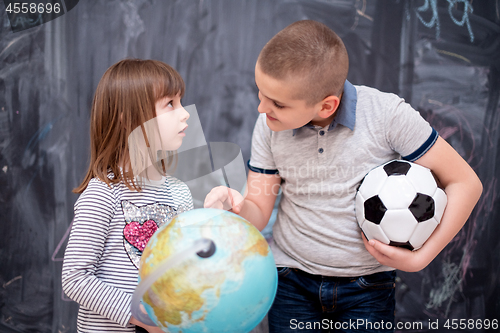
{"x":395,"y":257}
{"x":222,"y":197}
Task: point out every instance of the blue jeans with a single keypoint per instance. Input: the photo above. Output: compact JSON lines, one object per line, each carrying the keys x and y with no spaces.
{"x":315,"y":303}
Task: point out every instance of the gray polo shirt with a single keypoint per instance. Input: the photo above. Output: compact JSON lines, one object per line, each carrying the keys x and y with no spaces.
{"x":316,"y":228}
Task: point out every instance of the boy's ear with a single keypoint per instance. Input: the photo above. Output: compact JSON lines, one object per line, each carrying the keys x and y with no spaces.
{"x":329,"y":105}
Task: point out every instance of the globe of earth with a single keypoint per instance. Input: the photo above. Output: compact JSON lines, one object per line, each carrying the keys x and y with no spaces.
{"x":228,"y":286}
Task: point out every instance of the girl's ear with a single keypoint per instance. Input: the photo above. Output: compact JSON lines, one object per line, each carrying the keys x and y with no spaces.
{"x":329,"y":105}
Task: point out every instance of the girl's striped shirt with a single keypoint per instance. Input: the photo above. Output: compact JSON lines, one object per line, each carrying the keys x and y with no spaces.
{"x":100,"y":269}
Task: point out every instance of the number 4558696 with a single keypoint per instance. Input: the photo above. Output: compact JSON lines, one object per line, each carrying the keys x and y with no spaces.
{"x":33,"y":8}
{"x":463,"y":324}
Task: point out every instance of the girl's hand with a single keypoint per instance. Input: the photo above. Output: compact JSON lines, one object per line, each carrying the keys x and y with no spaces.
{"x":150,"y":329}
{"x":222,"y":197}
{"x":154,"y":329}
{"x":395,"y":257}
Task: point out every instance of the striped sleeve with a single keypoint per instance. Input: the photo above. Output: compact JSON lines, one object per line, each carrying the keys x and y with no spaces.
{"x":94,"y":211}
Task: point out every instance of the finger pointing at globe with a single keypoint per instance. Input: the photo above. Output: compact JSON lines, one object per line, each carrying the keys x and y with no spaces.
{"x":224,"y":198}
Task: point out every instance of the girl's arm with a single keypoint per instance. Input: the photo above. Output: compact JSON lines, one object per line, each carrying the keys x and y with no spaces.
{"x":463,"y":189}
{"x":93,"y":213}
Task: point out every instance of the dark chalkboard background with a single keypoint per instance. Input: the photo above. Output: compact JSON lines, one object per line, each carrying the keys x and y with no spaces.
{"x":443,"y":56}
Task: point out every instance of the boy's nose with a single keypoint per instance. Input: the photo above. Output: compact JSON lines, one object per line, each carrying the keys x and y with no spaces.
{"x":261,"y":108}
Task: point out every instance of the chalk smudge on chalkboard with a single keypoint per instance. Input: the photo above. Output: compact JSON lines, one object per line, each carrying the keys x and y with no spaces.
{"x":452,"y":10}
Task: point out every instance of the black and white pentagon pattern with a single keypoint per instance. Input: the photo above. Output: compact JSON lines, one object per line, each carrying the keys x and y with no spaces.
{"x":397,"y":192}
{"x":374,"y":209}
{"x":406,"y":245}
{"x":422,"y":207}
{"x":396,"y":167}
{"x":399,"y":203}
{"x":425,"y":228}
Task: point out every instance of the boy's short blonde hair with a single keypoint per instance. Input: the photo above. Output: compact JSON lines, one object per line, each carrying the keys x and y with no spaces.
{"x":311,"y":54}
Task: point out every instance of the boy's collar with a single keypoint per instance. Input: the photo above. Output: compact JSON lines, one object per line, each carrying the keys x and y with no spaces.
{"x":346,"y":113}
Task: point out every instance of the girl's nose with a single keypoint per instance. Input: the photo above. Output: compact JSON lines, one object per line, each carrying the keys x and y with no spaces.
{"x":184,"y":115}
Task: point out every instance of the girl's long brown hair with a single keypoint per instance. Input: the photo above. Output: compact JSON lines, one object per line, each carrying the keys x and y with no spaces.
{"x":125,"y":99}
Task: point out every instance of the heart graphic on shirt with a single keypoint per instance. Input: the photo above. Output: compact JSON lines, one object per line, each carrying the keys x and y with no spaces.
{"x":139,"y":234}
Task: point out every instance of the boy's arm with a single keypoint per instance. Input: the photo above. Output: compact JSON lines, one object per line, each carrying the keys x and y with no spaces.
{"x":257,"y":204}
{"x":463,"y":189}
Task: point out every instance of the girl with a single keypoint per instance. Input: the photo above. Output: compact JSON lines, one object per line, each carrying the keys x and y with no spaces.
{"x":126,"y":195}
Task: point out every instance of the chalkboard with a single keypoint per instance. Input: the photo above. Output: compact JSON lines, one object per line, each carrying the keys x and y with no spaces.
{"x":442,"y":56}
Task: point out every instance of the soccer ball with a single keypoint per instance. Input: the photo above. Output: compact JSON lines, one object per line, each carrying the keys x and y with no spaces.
{"x":399,"y":203}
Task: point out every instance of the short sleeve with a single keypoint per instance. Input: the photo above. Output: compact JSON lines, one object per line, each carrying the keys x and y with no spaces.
{"x":407,"y":132}
{"x":261,"y":160}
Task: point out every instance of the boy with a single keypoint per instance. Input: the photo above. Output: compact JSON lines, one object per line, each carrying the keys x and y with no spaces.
{"x":317,"y":137}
